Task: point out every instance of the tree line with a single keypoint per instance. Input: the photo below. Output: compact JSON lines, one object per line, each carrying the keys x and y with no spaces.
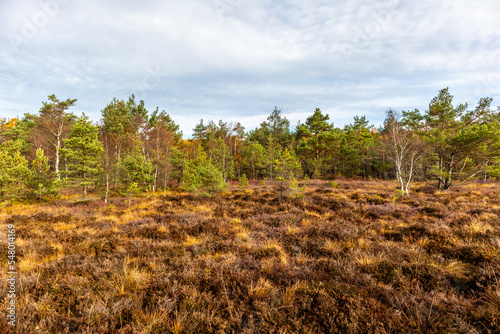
{"x":133,"y":150}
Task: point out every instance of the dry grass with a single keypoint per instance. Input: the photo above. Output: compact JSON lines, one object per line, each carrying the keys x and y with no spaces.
{"x":352,"y":259}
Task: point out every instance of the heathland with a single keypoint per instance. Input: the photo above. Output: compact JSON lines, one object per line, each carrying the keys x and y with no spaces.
{"x":344,"y":257}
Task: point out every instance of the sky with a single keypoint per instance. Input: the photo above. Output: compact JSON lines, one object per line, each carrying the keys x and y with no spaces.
{"x":236,"y":60}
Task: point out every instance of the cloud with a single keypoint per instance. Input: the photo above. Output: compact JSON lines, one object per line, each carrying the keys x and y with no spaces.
{"x":230,"y":59}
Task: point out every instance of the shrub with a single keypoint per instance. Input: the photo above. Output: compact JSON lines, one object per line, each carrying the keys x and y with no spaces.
{"x":243,"y":181}
{"x":333,"y":184}
{"x":295,"y":190}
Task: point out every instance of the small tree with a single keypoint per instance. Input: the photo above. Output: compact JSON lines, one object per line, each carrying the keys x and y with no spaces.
{"x":131,"y":192}
{"x":82,"y":151}
{"x":243,"y":181}
{"x":222,"y":159}
{"x":287,"y":166}
{"x":13,"y":169}
{"x":40,"y":182}
{"x":201,"y":176}
{"x":403,"y":148}
{"x":137,"y":168}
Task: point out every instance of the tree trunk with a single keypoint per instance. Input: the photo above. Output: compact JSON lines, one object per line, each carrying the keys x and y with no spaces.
{"x":84,"y":185}
{"x":107,"y":188}
{"x":440,"y":181}
{"x":57,"y":157}
{"x":156,"y":176}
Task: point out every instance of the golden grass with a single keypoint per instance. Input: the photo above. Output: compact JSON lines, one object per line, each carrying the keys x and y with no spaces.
{"x":192,"y":241}
{"x":28,"y":261}
{"x":480,"y":227}
{"x":262,"y":289}
{"x":332,"y":245}
{"x":366,"y":259}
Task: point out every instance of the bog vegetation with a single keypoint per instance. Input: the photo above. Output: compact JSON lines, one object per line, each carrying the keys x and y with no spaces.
{"x":344,"y":257}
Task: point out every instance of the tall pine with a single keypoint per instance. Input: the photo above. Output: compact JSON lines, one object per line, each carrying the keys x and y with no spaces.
{"x":82,"y":150}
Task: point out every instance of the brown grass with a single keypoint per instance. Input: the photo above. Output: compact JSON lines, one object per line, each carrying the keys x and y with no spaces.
{"x":352,"y":259}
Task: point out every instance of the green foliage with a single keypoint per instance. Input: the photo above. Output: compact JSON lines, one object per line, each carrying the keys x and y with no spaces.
{"x":124,"y":119}
{"x":356,"y":150}
{"x":132,"y":191}
{"x":82,"y":151}
{"x":41,"y":183}
{"x":333,"y":184}
{"x":222,"y":159}
{"x":243,"y":181}
{"x":137,"y":168}
{"x":276,"y":129}
{"x":315,"y":139}
{"x":161,"y":121}
{"x":287,"y":166}
{"x":254,"y":158}
{"x":295,"y":190}
{"x":202,"y":176}
{"x":23,"y":133}
{"x":13,"y":170}
{"x":177,"y":160}
{"x":461,"y":140}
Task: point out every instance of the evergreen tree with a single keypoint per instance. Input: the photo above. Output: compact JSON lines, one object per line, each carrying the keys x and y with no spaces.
{"x":82,"y":150}
{"x":314,"y":140}
{"x":223,"y":160}
{"x":41,"y":183}
{"x":25,"y":131}
{"x":357,"y":148}
{"x":13,"y":169}
{"x":163,"y":134}
{"x":254,"y":158}
{"x":277,"y":129}
{"x":177,"y":161}
{"x":461,"y":140}
{"x":287,"y":166}
{"x":202,"y":176}
{"x":122,"y":122}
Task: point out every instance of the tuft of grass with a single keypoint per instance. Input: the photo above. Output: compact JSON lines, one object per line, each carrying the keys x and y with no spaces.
{"x":192,"y":241}
{"x":262,"y":289}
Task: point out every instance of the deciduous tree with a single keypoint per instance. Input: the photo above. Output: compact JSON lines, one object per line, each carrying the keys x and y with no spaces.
{"x":56,"y":121}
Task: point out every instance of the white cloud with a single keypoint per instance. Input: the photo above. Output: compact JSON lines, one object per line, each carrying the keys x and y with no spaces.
{"x":234,"y":58}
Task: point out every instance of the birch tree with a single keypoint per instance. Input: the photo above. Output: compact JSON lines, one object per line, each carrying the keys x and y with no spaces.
{"x":56,"y":121}
{"x":403,"y":149}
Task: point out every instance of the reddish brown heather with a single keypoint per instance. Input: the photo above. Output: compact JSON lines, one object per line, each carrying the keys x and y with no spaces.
{"x":350,"y":259}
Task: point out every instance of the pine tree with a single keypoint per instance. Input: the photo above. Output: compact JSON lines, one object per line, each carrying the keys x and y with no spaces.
{"x":202,"y":176}
{"x":41,"y":183}
{"x":82,"y":151}
{"x":254,"y":158}
{"x":462,"y":141}
{"x":314,"y":140}
{"x":287,"y":166}
{"x":13,"y":169}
